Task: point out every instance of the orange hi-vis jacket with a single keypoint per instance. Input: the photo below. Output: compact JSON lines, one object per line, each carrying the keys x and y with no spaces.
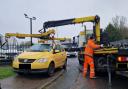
{"x":89,"y":49}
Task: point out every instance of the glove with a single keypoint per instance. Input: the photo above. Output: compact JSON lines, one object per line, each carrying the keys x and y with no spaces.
{"x":101,"y":45}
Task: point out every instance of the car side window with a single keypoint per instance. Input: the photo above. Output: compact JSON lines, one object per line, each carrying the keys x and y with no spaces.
{"x":58,"y":47}
{"x":62,"y":49}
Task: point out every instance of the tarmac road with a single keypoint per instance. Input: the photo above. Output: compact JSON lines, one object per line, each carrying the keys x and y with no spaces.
{"x":118,"y":82}
{"x":67,"y":80}
{"x":72,"y":79}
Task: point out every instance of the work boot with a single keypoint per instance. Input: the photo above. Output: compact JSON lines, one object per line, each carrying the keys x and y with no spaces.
{"x":93,"y":77}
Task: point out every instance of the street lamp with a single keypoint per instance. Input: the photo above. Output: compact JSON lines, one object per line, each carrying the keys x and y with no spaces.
{"x":32,"y":18}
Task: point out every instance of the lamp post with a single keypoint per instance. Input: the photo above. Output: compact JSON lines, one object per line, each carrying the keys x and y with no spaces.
{"x":30,"y":18}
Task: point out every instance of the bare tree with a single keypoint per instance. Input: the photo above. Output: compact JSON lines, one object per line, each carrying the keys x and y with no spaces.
{"x":115,"y":22}
{"x":123,"y":21}
{"x":119,"y":22}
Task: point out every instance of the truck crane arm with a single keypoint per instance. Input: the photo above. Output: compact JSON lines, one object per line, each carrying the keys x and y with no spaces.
{"x":94,"y":19}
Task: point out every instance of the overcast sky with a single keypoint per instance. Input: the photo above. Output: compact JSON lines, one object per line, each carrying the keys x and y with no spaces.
{"x":12,"y":13}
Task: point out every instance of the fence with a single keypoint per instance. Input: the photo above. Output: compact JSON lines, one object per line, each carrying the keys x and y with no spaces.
{"x":8,"y":52}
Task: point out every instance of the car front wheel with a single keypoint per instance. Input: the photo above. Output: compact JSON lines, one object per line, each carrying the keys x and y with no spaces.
{"x":65,"y":65}
{"x":51,"y":69}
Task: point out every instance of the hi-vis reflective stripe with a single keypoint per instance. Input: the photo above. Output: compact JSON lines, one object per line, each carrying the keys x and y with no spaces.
{"x":92,"y":63}
{"x":92,"y":69}
{"x":92,"y":72}
{"x":90,"y":55}
{"x":85,"y":69}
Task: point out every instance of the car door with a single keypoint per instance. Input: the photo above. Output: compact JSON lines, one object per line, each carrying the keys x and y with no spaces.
{"x":63,"y":55}
{"x":57,"y":56}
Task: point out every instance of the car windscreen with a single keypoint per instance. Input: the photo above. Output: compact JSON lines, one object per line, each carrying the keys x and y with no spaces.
{"x":39,"y":48}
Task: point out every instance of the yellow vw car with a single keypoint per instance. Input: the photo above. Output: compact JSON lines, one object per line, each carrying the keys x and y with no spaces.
{"x":40,"y":58}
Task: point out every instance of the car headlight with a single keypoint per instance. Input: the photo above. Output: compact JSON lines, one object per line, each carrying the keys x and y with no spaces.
{"x":42,"y":60}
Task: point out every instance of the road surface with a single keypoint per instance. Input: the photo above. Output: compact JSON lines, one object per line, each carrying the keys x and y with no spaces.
{"x":74,"y":80}
{"x":67,"y":80}
{"x":70,"y":79}
{"x":37,"y":81}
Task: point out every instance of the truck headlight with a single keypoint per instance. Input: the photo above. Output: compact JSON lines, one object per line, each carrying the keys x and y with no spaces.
{"x":42,"y":60}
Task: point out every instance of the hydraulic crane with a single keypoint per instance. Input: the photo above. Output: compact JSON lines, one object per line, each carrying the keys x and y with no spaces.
{"x":94,"y":19}
{"x":114,"y":57}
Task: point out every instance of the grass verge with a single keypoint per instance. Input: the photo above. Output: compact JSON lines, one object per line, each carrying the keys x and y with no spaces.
{"x":6,"y":71}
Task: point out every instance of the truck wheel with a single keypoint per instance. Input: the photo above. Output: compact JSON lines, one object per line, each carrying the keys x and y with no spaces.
{"x":65,"y":65}
{"x":51,"y":69}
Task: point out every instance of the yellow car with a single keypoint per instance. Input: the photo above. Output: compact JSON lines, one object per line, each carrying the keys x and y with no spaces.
{"x":40,"y":58}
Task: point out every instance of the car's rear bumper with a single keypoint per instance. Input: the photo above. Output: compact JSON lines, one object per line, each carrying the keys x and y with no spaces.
{"x":29,"y":70}
{"x":71,"y":54}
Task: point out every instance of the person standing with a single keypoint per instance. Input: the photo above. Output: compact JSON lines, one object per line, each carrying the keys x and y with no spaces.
{"x":88,"y":57}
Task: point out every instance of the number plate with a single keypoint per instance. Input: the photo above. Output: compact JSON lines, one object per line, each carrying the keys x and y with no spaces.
{"x":24,"y":66}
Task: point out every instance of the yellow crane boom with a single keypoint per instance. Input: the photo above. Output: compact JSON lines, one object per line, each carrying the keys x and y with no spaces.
{"x":94,"y":19}
{"x":43,"y":36}
{"x":61,"y":39}
{"x":19,"y":35}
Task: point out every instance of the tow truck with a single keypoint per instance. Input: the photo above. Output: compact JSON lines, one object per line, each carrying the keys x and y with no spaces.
{"x":110,"y":59}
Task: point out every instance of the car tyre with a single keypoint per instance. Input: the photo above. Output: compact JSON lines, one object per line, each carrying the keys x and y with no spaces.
{"x":65,"y":65}
{"x":19,"y":73}
{"x":51,"y":69}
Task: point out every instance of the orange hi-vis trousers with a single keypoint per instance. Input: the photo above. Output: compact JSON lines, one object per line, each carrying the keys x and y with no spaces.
{"x":89,"y":61}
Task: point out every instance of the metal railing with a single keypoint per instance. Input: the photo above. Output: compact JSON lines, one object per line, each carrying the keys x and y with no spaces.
{"x":8,"y":52}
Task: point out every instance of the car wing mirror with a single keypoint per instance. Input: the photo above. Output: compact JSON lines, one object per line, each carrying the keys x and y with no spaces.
{"x":57,"y":51}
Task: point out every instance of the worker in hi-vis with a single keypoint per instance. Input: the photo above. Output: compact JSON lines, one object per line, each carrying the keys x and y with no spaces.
{"x":88,"y":57}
